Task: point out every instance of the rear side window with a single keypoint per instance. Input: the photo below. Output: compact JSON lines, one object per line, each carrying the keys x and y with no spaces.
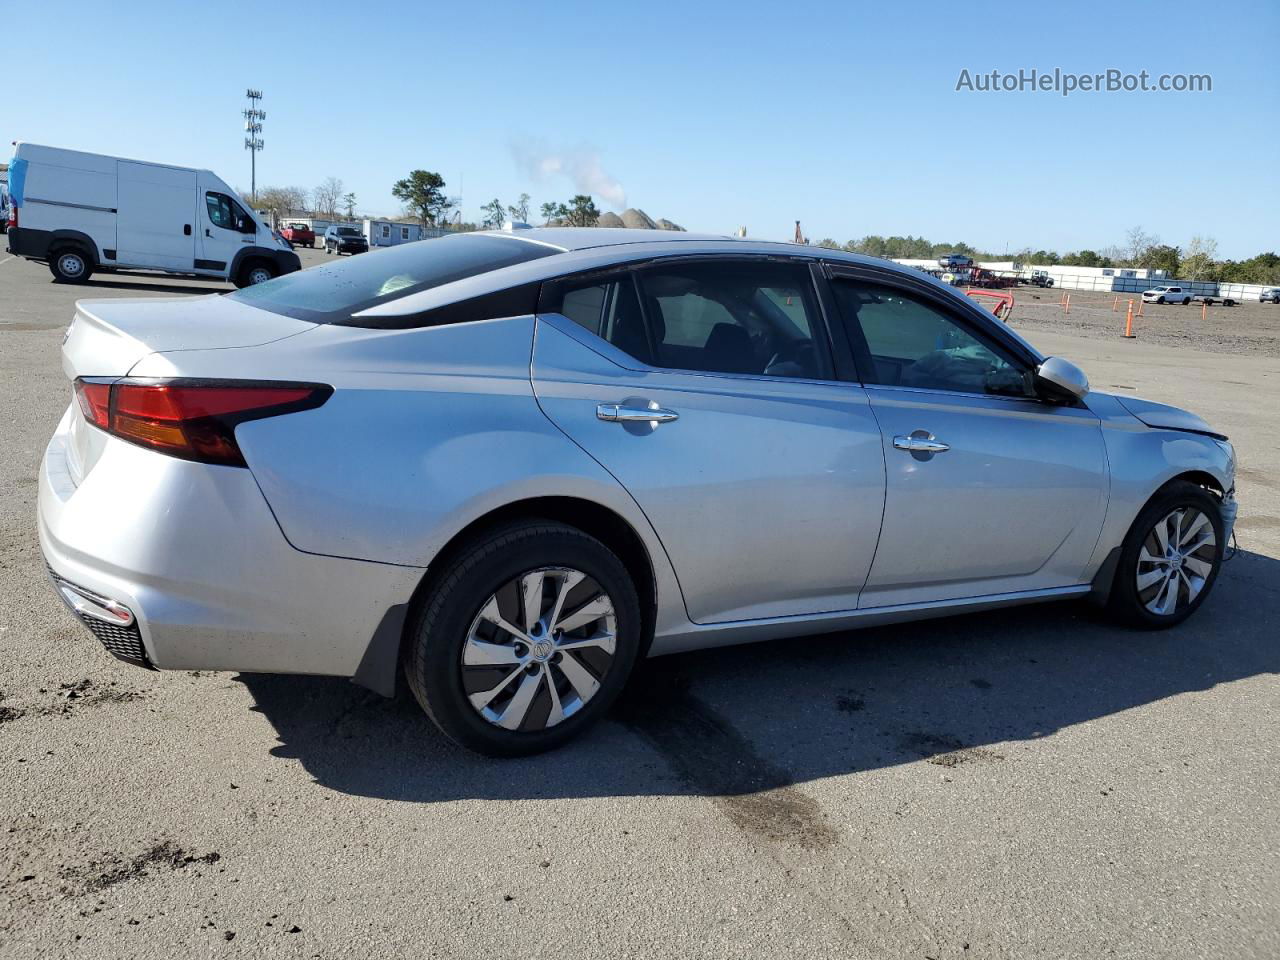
{"x":736,"y":317}
{"x":332,"y":292}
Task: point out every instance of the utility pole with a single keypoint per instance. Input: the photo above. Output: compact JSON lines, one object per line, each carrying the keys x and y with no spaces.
{"x":253,"y":118}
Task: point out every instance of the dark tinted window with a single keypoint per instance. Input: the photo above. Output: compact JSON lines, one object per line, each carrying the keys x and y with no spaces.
{"x":735,"y":316}
{"x":712,"y":316}
{"x":334,"y":291}
{"x":221,"y":210}
{"x":915,"y":344}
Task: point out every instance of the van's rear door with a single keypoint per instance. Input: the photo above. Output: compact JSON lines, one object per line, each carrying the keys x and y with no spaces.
{"x":156,"y":222}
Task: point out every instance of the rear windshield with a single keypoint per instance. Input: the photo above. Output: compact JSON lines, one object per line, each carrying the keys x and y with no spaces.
{"x":333,"y":291}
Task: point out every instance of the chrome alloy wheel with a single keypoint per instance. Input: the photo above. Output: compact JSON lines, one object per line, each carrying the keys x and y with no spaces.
{"x":1175,"y":561}
{"x":539,"y":649}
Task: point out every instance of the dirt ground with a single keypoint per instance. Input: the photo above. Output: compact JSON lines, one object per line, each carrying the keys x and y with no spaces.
{"x":1249,"y":328}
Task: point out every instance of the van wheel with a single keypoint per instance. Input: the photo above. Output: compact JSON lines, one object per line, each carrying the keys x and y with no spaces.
{"x":258,"y":271}
{"x":70,"y":265}
{"x":526,"y":640}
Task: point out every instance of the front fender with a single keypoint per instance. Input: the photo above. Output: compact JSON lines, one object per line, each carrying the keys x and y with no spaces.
{"x":1143,"y":459}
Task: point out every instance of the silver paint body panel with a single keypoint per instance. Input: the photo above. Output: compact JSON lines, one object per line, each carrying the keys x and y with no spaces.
{"x":772,"y":507}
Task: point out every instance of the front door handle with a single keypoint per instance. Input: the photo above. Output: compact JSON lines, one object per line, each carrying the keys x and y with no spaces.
{"x":186,"y":229}
{"x":207,"y":233}
{"x":920,"y":442}
{"x":634,"y":413}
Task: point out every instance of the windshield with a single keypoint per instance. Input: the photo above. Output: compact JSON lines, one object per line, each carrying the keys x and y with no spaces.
{"x":333,"y":291}
{"x":348,"y":231}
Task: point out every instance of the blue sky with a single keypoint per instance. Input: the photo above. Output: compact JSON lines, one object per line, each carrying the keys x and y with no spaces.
{"x":715,"y":115}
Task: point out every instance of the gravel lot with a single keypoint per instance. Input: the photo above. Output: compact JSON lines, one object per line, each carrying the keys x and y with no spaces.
{"x":1026,"y":783}
{"x":1251,"y":328}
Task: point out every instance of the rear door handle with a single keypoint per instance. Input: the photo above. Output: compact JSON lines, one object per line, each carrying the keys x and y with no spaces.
{"x":921,"y":442}
{"x":186,"y":229}
{"x":629,"y":413}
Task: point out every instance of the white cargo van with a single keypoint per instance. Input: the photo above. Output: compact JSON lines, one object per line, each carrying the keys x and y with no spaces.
{"x":84,"y":212}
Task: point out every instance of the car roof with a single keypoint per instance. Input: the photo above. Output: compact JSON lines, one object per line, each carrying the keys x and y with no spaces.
{"x":584,"y":249}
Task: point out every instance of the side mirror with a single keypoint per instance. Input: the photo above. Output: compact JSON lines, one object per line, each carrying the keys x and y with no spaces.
{"x":1061,"y":379}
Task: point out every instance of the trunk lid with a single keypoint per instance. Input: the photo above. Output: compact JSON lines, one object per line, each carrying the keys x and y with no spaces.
{"x":107,"y":339}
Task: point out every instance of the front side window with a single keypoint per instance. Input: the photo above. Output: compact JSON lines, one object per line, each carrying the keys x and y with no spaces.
{"x":221,"y":210}
{"x":915,"y":344}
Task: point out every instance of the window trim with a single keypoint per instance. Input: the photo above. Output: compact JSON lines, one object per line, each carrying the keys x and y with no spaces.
{"x":551,"y":297}
{"x":980,"y":327}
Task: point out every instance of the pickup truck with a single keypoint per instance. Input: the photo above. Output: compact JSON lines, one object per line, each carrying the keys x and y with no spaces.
{"x":299,"y":235}
{"x":1039,"y":278}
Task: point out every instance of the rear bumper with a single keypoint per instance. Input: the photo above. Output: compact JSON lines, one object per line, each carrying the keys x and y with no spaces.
{"x":195,"y":555}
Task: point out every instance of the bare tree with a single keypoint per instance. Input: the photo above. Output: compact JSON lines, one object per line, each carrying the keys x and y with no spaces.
{"x":1198,"y":261}
{"x":327,"y":197}
{"x":1137,"y":243}
{"x":285,"y":201}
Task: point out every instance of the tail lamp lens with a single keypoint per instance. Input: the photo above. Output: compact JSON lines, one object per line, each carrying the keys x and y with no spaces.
{"x":191,"y":420}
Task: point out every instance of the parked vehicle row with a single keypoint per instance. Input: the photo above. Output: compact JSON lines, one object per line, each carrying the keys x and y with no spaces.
{"x":85,"y":212}
{"x":551,"y":465}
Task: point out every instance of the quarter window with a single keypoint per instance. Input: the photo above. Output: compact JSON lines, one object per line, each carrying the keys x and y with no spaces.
{"x":914,"y":344}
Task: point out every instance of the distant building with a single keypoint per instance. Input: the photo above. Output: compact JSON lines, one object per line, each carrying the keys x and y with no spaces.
{"x":392,"y":232}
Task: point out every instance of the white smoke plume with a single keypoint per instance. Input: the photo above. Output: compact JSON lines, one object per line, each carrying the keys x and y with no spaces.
{"x":580,"y":166}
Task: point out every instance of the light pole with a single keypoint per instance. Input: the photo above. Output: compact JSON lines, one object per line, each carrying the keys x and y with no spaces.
{"x":253,"y":118}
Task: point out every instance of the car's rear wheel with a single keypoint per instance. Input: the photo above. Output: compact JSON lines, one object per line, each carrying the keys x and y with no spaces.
{"x":1170,"y":558}
{"x":525,"y":640}
{"x":1185,"y":301}
{"x":70,"y":265}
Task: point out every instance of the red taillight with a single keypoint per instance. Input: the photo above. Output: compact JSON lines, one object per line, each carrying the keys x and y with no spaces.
{"x":13,"y":216}
{"x":194,"y":420}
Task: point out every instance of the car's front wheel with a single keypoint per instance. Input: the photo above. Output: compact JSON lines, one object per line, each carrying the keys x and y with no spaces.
{"x":525,"y":640}
{"x":1170,"y":558}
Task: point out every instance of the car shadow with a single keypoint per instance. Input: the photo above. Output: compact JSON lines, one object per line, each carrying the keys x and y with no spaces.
{"x":156,"y":286}
{"x":753,"y":721}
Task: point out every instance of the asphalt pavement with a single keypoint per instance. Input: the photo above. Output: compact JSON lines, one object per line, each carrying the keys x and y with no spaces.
{"x":1026,"y":783}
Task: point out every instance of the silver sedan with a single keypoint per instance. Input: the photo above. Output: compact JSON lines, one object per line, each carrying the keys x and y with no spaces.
{"x":503,"y":466}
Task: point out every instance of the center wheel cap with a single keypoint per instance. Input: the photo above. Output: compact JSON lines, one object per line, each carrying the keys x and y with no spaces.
{"x":542,"y":649}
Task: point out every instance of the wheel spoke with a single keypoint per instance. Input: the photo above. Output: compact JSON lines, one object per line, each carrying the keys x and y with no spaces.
{"x":1194,"y":584}
{"x":1167,"y":598}
{"x":557,"y":710}
{"x":1151,"y":578}
{"x":1201,"y":568}
{"x":589,"y":612}
{"x":531,"y":598}
{"x":485,"y":697}
{"x":583,"y":683}
{"x":513,"y":715}
{"x":479,"y":653}
{"x":1196,"y":525}
{"x":1161,"y":532}
{"x":567,"y":581}
{"x":494,"y":616}
{"x":605,"y":641}
{"x":1206,"y":538}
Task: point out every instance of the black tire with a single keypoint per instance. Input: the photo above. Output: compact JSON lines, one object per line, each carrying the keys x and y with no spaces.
{"x":1185,"y":301}
{"x":1125,"y":602}
{"x":438,"y":633}
{"x":1159,"y":299}
{"x":251,"y":273}
{"x":70,"y":265}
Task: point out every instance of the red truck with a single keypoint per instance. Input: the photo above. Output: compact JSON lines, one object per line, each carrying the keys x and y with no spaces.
{"x":299,"y":235}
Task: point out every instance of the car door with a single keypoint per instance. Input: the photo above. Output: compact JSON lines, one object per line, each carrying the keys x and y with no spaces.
{"x":222,"y":231}
{"x":704,"y":386}
{"x":989,"y":489}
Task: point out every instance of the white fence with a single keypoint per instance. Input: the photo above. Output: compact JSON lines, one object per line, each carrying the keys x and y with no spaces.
{"x":1101,"y":284}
